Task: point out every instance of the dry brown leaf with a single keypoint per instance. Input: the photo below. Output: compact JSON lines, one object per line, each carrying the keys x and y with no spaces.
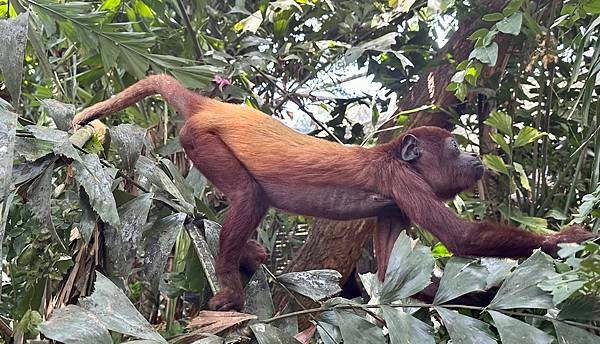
{"x":214,"y":322}
{"x":305,"y":336}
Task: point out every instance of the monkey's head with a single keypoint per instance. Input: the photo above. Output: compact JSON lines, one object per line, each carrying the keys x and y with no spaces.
{"x":436,"y":156}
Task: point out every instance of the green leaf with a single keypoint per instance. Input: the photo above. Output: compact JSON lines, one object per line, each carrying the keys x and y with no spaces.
{"x":258,"y":296}
{"x":520,"y":289}
{"x":267,"y":334}
{"x":408,"y":272}
{"x":487,"y":54}
{"x":122,"y":241}
{"x":465,"y":330}
{"x":495,"y":163}
{"x":480,"y":33}
{"x":250,"y":23}
{"x":522,"y":176}
{"x":116,"y":312}
{"x":314,"y":284}
{"x":512,"y":7}
{"x":493,"y":17}
{"x":109,"y":52}
{"x":14,"y":35}
{"x":527,"y":135}
{"x":567,"y":334}
{"x":382,"y":44}
{"x":513,"y":331}
{"x":357,"y":330}
{"x":511,"y":25}
{"x":61,"y":113}
{"x":499,"y":139}
{"x":500,"y":121}
{"x":143,"y":10}
{"x":135,"y":62}
{"x":158,"y":243}
{"x":562,"y":286}
{"x":406,"y":329}
{"x":461,"y":276}
{"x":498,"y":269}
{"x":97,"y":181}
{"x":129,"y":141}
{"x":75,"y":325}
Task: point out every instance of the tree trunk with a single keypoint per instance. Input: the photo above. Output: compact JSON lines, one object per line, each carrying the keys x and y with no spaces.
{"x":337,"y":245}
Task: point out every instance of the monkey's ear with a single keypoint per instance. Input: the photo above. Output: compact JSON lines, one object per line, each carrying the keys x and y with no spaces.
{"x":409,"y":148}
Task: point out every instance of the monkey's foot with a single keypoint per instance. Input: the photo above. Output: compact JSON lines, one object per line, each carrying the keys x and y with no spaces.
{"x":227,"y":299}
{"x":253,"y":256}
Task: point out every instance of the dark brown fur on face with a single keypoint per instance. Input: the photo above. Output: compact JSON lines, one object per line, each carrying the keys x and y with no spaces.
{"x":258,"y":162}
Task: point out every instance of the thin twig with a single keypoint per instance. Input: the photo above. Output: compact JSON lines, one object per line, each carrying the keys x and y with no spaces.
{"x":299,"y":104}
{"x":428,"y":305}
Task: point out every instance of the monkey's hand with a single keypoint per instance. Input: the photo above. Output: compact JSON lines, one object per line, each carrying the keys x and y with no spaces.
{"x":227,"y":299}
{"x":573,"y":233}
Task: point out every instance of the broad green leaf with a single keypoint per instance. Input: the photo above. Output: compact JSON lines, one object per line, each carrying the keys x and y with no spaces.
{"x":116,"y":312}
{"x":511,"y":25}
{"x":499,"y":139}
{"x":487,"y":54}
{"x":498,"y":268}
{"x":75,"y":325}
{"x":97,"y":181}
{"x":258,"y":296}
{"x":109,"y":52}
{"x":568,"y":334}
{"x":494,"y":162}
{"x":562,"y":286}
{"x":134,"y":60}
{"x":314,"y":284}
{"x":520,"y":289}
{"x":406,"y":329}
{"x":513,"y":331}
{"x":267,"y":334}
{"x":129,"y":140}
{"x":522,"y":176}
{"x":527,"y":135}
{"x":408,"y":272}
{"x":581,"y":307}
{"x":8,"y":126}
{"x":150,"y":170}
{"x":500,"y":121}
{"x":357,"y":330}
{"x":465,"y":330}
{"x":61,"y":113}
{"x":14,"y":41}
{"x":8,"y":132}
{"x":158,"y":243}
{"x":461,"y":276}
{"x":250,"y":23}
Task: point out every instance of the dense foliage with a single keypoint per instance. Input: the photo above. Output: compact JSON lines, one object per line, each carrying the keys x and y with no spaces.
{"x":108,"y":235}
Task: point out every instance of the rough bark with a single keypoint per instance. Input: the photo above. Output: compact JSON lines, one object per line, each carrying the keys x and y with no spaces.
{"x":337,"y":245}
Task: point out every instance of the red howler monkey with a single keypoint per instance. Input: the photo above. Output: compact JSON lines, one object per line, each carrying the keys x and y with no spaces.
{"x":258,"y":162}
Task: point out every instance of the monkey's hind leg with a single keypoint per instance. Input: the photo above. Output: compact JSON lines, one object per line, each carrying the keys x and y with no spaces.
{"x":247,"y":206}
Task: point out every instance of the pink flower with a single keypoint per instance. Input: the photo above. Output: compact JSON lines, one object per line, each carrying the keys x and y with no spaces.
{"x":221,"y":82}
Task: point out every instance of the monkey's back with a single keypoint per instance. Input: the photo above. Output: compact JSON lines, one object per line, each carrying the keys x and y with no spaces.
{"x":275,"y":153}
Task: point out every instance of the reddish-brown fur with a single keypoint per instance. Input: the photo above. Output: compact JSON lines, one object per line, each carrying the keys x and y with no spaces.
{"x":258,"y":162}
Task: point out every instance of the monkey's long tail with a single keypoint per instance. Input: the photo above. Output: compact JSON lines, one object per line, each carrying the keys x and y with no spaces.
{"x":173,"y":92}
